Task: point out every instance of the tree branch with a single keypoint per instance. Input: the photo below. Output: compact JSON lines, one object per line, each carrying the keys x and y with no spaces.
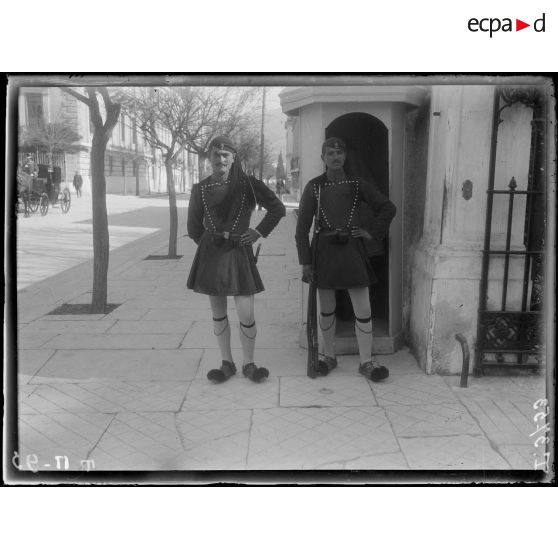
{"x":94,"y":108}
{"x":112,"y":110}
{"x":76,"y":95}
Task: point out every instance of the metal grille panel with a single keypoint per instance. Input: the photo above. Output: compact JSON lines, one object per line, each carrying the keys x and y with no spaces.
{"x":512,"y":334}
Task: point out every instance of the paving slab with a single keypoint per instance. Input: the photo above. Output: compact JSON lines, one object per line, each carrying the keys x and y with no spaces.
{"x":64,"y":326}
{"x":30,"y":361}
{"x":138,"y":442}
{"x":381,"y":462}
{"x":70,"y":317}
{"x":236,"y":393}
{"x":23,"y":392}
{"x":328,"y":391}
{"x":133,"y":287}
{"x":451,"y":453}
{"x":173,"y":314}
{"x":33,"y":339}
{"x":126,"y":311}
{"x":38,"y":260}
{"x":117,"y":341}
{"x":443,"y":419}
{"x":401,"y":362}
{"x":96,"y":397}
{"x":504,"y":421}
{"x":278,"y":316}
{"x":119,"y":365}
{"x":412,"y":390}
{"x":270,"y":336}
{"x":495,"y":387}
{"x":63,"y":434}
{"x":143,"y":327}
{"x":524,"y":457}
{"x":531,"y":383}
{"x":213,"y":440}
{"x":280,"y":303}
{"x":273,"y":283}
{"x":137,"y":273}
{"x":311,"y":438}
{"x":163,"y":300}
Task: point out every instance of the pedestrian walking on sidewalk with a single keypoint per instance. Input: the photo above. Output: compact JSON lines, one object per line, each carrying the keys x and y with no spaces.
{"x":341,"y":260}
{"x":219,"y":214}
{"x":78,"y":183}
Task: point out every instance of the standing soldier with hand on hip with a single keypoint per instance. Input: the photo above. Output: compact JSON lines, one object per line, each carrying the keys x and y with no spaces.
{"x":341,"y":261}
{"x":219,"y":214}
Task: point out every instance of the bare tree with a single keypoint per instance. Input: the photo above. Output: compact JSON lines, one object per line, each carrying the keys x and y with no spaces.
{"x":175,"y":118}
{"x":162,"y":115}
{"x":220,"y":111}
{"x":249,"y":150}
{"x":101,"y":134}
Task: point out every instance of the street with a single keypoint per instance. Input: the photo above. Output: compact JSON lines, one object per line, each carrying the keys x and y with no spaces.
{"x":58,"y":241}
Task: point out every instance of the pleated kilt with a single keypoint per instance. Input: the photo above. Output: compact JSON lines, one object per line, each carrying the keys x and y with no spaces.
{"x":343,"y":266}
{"x":224,"y":269}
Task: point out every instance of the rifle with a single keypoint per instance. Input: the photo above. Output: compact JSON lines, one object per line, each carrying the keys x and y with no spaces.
{"x":314,"y":367}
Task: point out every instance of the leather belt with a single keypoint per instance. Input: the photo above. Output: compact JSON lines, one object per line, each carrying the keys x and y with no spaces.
{"x":227,"y":235}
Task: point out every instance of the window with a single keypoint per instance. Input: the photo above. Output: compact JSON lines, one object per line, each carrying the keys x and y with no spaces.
{"x":35,"y":110}
{"x":123,"y":129}
{"x":111,"y":163}
{"x":135,"y":132}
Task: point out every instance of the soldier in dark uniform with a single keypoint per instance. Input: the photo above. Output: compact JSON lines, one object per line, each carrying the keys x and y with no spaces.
{"x":342,"y":262}
{"x":219,"y":214}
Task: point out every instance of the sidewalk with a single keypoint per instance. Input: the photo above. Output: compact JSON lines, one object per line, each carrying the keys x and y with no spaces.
{"x":128,"y":390}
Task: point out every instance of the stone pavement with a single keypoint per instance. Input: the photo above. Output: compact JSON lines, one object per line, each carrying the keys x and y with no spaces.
{"x":128,"y":390}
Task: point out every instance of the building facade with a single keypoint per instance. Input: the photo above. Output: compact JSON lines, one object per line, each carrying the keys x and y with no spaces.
{"x":132,"y":166}
{"x":436,"y":150}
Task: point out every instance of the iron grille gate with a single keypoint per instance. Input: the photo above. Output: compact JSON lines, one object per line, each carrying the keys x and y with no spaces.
{"x":514,"y":338}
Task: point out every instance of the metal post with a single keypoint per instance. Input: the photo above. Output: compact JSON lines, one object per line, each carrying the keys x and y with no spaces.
{"x":262,"y":136}
{"x":487,"y":231}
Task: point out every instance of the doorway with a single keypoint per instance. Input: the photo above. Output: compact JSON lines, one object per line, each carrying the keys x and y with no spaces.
{"x":366,"y":138}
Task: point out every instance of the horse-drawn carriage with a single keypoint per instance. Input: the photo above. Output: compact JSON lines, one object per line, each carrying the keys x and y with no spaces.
{"x":40,"y":192}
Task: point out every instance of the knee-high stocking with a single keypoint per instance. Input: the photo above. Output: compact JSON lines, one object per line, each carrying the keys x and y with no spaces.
{"x":248,"y":334}
{"x":222,"y":331}
{"x":327,"y":327}
{"x":363,"y":331}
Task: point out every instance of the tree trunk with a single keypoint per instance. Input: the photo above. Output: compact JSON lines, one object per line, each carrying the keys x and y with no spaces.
{"x":173,"y":233}
{"x":100,"y":223}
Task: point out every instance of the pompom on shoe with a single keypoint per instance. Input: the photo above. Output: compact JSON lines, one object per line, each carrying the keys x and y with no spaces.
{"x":220,"y":375}
{"x":321,"y":370}
{"x":255,"y":373}
{"x":327,"y":364}
{"x":373,"y":371}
